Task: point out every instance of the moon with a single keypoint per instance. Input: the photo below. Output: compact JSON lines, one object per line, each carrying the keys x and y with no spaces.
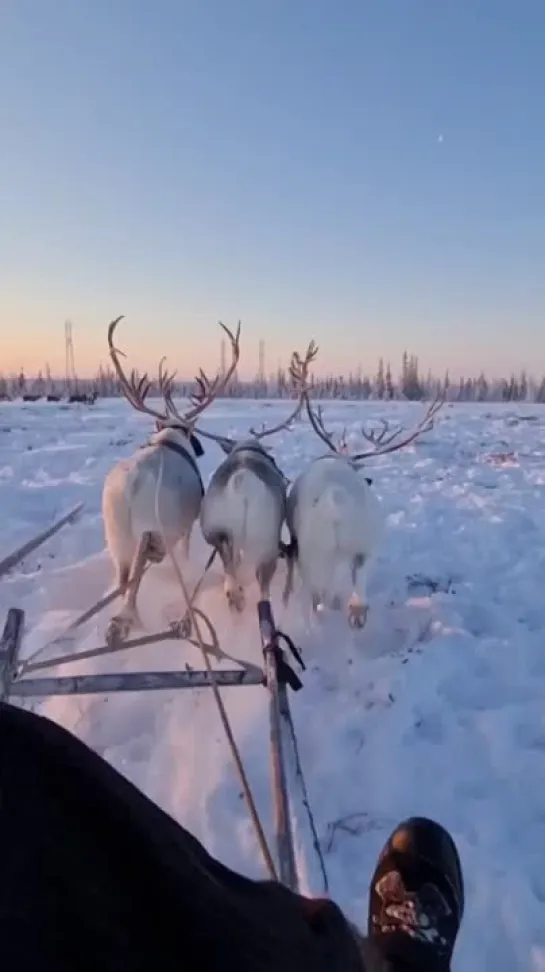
{"x":439,"y":138}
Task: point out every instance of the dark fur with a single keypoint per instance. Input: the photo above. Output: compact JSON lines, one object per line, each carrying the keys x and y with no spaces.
{"x":195,"y":442}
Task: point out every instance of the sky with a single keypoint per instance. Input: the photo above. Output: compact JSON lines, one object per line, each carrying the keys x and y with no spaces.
{"x":367,"y":173}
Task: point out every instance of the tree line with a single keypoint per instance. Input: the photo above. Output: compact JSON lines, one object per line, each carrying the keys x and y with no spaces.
{"x":409,"y":384}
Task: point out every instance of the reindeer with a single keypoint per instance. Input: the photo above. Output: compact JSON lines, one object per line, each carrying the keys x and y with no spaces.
{"x":155,"y":493}
{"x":244,"y":507}
{"x":83,"y":398}
{"x":335,"y":519}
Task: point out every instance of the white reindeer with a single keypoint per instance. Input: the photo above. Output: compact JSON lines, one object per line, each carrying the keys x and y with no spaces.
{"x":336,"y":521}
{"x":244,"y":506}
{"x":156,"y":493}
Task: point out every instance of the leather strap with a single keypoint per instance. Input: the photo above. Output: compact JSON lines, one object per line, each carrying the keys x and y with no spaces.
{"x":180,"y":451}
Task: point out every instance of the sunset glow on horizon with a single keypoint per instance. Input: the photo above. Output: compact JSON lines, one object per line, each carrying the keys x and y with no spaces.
{"x":318,"y":173}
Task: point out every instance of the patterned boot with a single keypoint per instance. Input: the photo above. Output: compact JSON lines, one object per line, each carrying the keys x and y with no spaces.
{"x":416,"y":901}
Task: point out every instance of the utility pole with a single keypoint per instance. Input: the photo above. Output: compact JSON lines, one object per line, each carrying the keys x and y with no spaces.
{"x":69,"y":357}
{"x":261,"y":362}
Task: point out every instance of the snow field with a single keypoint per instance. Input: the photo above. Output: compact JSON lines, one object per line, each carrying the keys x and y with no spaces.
{"x":436,"y":708}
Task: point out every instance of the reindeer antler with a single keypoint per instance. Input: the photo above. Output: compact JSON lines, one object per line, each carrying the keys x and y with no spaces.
{"x":207,"y":390}
{"x":379,"y":438}
{"x":298,"y":371}
{"x":136,"y":389}
{"x":316,"y":420}
{"x":393,"y":442}
{"x":383,"y":443}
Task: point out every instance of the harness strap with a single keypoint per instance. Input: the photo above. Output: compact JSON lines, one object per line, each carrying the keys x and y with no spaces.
{"x":180,"y":451}
{"x":255,"y":448}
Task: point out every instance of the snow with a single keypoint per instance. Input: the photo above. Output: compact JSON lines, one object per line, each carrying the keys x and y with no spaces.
{"x":436,"y":708}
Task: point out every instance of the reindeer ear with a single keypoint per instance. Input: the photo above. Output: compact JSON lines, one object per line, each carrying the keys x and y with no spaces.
{"x":196,"y":446}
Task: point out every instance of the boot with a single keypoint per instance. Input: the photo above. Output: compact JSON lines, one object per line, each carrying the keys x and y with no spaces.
{"x":416,"y":900}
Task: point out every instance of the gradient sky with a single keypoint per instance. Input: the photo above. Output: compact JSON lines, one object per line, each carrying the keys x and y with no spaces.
{"x":370,"y":173}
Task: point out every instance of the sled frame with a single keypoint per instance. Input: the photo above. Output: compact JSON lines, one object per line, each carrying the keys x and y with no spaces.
{"x":14,"y":558}
{"x":275,"y":676}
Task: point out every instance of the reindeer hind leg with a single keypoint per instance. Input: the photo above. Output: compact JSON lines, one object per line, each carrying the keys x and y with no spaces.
{"x":123,"y":577}
{"x":186,"y":544}
{"x":318,"y":602}
{"x":358,"y":609}
{"x":234,"y":593}
{"x":121,"y":624}
{"x":289,"y":553}
{"x":264,"y":574}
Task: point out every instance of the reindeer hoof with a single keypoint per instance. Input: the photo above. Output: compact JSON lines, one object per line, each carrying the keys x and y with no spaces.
{"x":235,"y":599}
{"x":155,"y":552}
{"x":317,"y":604}
{"x":118,"y":630}
{"x":357,"y":616}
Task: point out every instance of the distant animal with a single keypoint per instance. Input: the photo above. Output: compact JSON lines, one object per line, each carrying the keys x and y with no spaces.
{"x":336,"y":521}
{"x":83,"y":398}
{"x":244,"y":507}
{"x":158,"y":490}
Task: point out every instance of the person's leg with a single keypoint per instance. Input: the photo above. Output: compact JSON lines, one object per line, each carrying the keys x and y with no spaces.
{"x":94,"y":876}
{"x":416,"y":901}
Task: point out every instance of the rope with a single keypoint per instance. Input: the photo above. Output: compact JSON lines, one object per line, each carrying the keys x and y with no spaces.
{"x":306,"y":803}
{"x":71,"y":629}
{"x":27,"y":664}
{"x":193,"y":615}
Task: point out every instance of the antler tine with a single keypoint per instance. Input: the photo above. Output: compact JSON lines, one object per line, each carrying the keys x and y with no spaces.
{"x":167,"y":391}
{"x":234,"y":340}
{"x":162,"y":373}
{"x":209,"y":390}
{"x":200,"y":393}
{"x":134,"y":389}
{"x":425,"y":425}
{"x":315,"y":415}
{"x":381,"y":438}
{"x":166,"y":382}
{"x":385,"y":427}
{"x":316,"y":420}
{"x":141,"y":385}
{"x":298,"y":370}
{"x":204,"y":387}
{"x":343,"y":441}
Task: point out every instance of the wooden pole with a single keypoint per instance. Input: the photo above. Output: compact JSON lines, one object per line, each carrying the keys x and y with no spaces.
{"x":17,"y":555}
